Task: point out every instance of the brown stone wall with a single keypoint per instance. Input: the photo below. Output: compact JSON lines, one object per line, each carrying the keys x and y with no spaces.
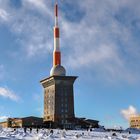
{"x":4,"y":124}
{"x":49,"y":103}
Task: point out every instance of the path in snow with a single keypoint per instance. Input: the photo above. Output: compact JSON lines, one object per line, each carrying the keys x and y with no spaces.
{"x":10,"y":134}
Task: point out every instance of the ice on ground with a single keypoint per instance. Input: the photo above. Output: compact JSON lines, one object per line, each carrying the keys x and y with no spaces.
{"x":57,"y":134}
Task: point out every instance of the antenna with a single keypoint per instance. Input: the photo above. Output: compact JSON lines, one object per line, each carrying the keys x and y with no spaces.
{"x":56,"y":53}
{"x":56,"y":13}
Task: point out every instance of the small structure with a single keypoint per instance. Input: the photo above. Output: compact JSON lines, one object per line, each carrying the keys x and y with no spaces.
{"x":22,"y":122}
{"x":83,"y":123}
{"x":135,"y":122}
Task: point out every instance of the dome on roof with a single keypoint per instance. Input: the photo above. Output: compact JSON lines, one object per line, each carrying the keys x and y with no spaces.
{"x":58,"y":70}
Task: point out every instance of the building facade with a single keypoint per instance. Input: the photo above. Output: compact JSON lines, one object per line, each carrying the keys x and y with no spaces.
{"x":58,"y":100}
{"x":22,"y":122}
{"x":135,"y":122}
{"x":4,"y":124}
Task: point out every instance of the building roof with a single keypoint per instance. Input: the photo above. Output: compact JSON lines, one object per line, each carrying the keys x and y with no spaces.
{"x":3,"y":122}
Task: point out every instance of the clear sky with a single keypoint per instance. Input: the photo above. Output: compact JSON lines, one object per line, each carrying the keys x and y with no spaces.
{"x":100,"y":43}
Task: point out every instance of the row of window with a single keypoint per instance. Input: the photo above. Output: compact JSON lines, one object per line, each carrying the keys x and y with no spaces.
{"x":135,"y":126}
{"x":62,"y":89}
{"x":49,"y":90}
{"x":63,"y":121}
{"x":135,"y":120}
{"x":64,"y":105}
{"x":49,"y":96}
{"x":64,"y":116}
{"x":46,"y":112}
{"x":64,"y":110}
{"x":64,"y":99}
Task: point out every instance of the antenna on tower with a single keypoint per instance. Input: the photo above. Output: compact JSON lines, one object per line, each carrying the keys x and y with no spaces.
{"x":56,"y":13}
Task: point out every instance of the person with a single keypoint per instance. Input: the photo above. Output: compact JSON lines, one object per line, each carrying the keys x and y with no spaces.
{"x":114,"y":134}
{"x":30,"y":129}
{"x":51,"y":131}
{"x":25,"y":129}
{"x":37,"y":129}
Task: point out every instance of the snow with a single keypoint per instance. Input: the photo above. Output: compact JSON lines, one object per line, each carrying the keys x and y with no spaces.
{"x":45,"y":134}
{"x":133,"y":130}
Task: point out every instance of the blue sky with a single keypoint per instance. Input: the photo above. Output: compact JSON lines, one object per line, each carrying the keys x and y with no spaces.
{"x":99,"y":43}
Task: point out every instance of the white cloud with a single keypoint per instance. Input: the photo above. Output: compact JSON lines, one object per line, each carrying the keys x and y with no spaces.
{"x":6,"y":93}
{"x":40,"y":5}
{"x":130,"y":112}
{"x":99,"y":41}
{"x":3,"y":15}
{"x":32,"y":30}
{"x":3,"y":118}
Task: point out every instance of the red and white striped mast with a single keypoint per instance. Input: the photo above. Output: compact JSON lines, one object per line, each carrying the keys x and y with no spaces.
{"x":57,"y":69}
{"x":56,"y":52}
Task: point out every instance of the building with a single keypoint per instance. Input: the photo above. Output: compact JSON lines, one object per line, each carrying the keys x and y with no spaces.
{"x":83,"y":123}
{"x":4,"y":124}
{"x":59,"y":93}
{"x":135,"y":122}
{"x":58,"y":89}
{"x":58,"y":100}
{"x":22,"y":122}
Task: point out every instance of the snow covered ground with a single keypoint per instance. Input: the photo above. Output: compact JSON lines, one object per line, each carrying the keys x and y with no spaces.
{"x":10,"y":134}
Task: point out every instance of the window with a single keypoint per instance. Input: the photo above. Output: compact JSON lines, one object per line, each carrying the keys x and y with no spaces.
{"x":62,"y":100}
{"x":66,"y":99}
{"x":62,"y":121}
{"x":65,"y":94}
